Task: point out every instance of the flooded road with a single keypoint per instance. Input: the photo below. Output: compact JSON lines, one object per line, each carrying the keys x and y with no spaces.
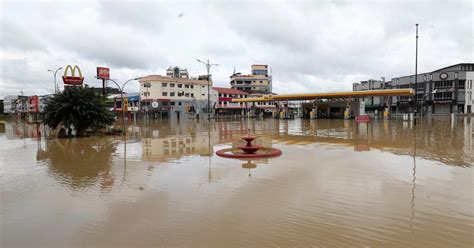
{"x":337,"y":184}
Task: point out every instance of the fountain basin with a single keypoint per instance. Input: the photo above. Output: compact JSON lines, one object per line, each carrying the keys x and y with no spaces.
{"x":249,"y":151}
{"x":263,"y":152}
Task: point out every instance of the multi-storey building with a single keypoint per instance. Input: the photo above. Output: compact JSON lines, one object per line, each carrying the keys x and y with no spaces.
{"x":22,"y":104}
{"x":176,"y":96}
{"x":225,"y":105}
{"x":443,"y":91}
{"x":9,"y":104}
{"x":43,"y":100}
{"x":259,"y":80}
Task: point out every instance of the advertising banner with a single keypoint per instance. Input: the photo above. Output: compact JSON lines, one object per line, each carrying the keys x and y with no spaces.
{"x":73,"y":79}
{"x":103,"y":73}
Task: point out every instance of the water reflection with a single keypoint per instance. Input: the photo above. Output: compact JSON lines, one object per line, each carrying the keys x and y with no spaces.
{"x":79,"y":163}
{"x":410,"y":186}
{"x":2,"y":127}
{"x":168,"y":141}
{"x":250,"y":165}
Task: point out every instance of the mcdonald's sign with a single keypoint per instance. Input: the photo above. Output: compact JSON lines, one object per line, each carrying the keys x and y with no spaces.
{"x":73,"y":79}
{"x":103,"y":73}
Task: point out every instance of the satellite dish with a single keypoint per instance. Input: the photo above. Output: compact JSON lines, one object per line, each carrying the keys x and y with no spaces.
{"x":154,"y":104}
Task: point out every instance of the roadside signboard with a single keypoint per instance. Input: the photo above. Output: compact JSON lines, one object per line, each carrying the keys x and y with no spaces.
{"x":362,"y":118}
{"x":73,"y":79}
{"x":103,"y":73}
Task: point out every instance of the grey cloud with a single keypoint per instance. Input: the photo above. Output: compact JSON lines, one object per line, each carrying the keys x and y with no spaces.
{"x":311,"y":46}
{"x":14,"y":36}
{"x":143,"y":15}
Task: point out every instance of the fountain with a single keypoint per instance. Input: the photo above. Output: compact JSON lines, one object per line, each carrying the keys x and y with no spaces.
{"x":249,"y":151}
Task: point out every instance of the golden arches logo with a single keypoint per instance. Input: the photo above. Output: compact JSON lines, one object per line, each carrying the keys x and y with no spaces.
{"x":73,"y":71}
{"x":73,"y":79}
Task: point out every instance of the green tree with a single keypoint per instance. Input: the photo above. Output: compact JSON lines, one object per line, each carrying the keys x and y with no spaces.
{"x":78,"y":107}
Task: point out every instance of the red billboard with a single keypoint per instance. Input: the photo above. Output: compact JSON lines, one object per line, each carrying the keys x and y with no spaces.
{"x":73,"y":79}
{"x":103,"y":73}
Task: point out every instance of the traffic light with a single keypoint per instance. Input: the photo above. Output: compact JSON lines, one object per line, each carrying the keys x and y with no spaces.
{"x":125,"y":103}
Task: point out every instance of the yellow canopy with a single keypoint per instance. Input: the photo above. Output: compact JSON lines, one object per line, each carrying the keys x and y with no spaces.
{"x":312,"y":96}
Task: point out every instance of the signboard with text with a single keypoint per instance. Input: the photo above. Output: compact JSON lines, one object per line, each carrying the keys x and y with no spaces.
{"x":103,"y":73}
{"x":73,"y":79}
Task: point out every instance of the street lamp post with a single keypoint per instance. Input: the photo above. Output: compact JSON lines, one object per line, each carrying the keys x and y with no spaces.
{"x":54,"y":74}
{"x":416,"y":72}
{"x":121,"y":96}
{"x":208,"y":67}
{"x":416,"y":75}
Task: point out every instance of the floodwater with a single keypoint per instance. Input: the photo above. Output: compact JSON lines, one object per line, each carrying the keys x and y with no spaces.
{"x":337,"y":184}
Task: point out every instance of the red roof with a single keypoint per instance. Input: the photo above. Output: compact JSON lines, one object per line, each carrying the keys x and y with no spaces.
{"x":222,"y":90}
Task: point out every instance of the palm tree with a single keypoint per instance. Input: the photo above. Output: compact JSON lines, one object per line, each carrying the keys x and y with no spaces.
{"x":78,"y":107}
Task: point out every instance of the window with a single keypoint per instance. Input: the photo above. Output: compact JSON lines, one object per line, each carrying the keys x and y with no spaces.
{"x":164,"y":85}
{"x":180,"y":86}
{"x":192,"y":86}
{"x":164,"y":93}
{"x":171,"y":85}
{"x":171,"y":93}
{"x":186,"y":95}
{"x":192,"y":94}
{"x":165,"y":103}
{"x":186,"y":86}
{"x":172,"y":103}
{"x":179,"y":103}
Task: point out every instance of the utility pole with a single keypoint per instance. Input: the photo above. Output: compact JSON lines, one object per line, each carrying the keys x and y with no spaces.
{"x":104,"y":92}
{"x":208,"y":67}
{"x":416,"y":74}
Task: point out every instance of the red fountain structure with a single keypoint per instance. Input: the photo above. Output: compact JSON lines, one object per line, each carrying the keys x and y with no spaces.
{"x":249,"y":151}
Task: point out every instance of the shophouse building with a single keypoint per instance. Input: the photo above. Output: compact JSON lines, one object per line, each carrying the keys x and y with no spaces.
{"x":443,"y":91}
{"x":225,"y":105}
{"x":260,"y":79}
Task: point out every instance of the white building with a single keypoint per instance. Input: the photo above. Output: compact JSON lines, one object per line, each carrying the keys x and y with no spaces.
{"x":43,"y":101}
{"x":176,"y":96}
{"x":9,"y":104}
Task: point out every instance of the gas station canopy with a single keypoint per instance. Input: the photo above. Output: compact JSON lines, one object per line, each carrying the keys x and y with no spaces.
{"x":328,"y":95}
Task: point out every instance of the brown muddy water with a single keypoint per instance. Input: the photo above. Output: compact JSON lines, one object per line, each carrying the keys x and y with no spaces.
{"x":337,"y":184}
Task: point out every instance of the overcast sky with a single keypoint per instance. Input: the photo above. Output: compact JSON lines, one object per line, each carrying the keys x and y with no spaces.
{"x":311,"y":46}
